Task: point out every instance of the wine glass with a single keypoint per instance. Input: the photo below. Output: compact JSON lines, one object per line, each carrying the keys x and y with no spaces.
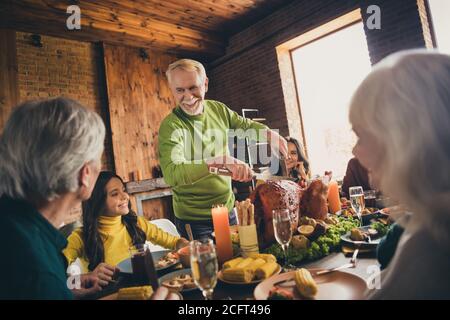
{"x":357,"y":201}
{"x":370,"y":197}
{"x":283,"y":232}
{"x":204,"y":266}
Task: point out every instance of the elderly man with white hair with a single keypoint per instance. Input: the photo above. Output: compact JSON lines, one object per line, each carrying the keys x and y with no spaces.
{"x":194,"y":138}
{"x":401,"y":115}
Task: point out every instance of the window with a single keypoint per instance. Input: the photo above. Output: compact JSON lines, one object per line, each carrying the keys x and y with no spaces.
{"x":440,"y":15}
{"x":327,"y":72}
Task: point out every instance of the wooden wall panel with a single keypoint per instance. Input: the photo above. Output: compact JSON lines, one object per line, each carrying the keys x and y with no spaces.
{"x":160,"y":208}
{"x":139,"y":99}
{"x":9,"y":87}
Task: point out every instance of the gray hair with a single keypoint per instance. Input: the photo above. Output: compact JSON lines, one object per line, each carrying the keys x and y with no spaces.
{"x":405,"y":104}
{"x":44,"y":145}
{"x":186,"y":65}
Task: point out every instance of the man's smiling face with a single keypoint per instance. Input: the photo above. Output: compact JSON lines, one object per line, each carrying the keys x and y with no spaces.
{"x":189,"y":90}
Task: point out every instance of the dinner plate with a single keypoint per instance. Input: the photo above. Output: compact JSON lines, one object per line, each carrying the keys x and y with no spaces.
{"x":331,"y":286}
{"x":125,"y":265}
{"x":345,"y":239}
{"x":220,"y":276}
{"x":174,"y":274}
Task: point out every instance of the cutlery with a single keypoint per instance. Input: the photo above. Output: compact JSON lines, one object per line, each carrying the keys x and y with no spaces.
{"x":189,"y":232}
{"x":353,"y":261}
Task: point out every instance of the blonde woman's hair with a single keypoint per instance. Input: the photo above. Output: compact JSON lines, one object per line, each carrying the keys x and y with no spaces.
{"x":44,"y":145}
{"x":405,"y":104}
{"x":187,"y":65}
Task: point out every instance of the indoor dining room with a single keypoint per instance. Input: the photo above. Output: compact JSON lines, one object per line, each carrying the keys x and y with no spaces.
{"x":227,"y":150}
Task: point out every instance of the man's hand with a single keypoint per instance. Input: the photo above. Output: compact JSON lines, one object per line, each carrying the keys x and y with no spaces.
{"x":162,"y":293}
{"x":278,"y":144}
{"x":89,"y":285}
{"x":240,"y":171}
{"x":105,"y":273}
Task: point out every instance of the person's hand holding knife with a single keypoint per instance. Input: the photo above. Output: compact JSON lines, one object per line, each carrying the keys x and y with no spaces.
{"x":240,"y":171}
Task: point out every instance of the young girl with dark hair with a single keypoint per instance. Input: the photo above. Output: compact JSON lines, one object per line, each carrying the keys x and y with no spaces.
{"x":297,"y":163}
{"x":110,"y":228}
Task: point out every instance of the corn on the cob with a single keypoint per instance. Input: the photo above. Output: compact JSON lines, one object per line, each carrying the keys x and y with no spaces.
{"x":244,"y":263}
{"x":135,"y":293}
{"x":266,"y":270}
{"x":256,"y":264}
{"x":265,"y":256}
{"x":232,"y":263}
{"x":238,"y":274}
{"x":305,"y":283}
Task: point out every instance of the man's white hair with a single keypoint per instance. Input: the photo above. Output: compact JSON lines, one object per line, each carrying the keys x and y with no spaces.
{"x":186,"y":65}
{"x":44,"y":145}
{"x":405,"y":104}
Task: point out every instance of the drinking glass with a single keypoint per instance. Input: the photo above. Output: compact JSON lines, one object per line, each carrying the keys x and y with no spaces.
{"x":283,"y":232}
{"x":204,"y":266}
{"x":357,"y":201}
{"x":370,"y":197}
{"x":144,"y":271}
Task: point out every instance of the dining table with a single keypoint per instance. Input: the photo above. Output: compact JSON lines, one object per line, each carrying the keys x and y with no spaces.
{"x":225,"y":291}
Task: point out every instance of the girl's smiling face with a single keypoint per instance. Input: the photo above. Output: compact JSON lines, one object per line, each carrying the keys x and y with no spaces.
{"x":117,"y":199}
{"x":293,"y":156}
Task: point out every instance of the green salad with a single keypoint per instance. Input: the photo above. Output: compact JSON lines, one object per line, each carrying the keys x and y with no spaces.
{"x":381,"y":228}
{"x":318,"y":248}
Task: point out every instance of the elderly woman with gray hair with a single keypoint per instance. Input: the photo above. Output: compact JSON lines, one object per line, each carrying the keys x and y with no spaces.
{"x":49,"y":161}
{"x":50,"y":154}
{"x":401,"y":115}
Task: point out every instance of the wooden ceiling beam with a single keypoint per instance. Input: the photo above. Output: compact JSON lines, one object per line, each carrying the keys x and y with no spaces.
{"x":209,"y":7}
{"x":170,"y":12}
{"x":123,"y":20}
{"x":108,"y":25}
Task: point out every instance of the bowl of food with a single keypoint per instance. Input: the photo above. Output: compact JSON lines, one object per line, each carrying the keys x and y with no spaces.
{"x":185,"y":256}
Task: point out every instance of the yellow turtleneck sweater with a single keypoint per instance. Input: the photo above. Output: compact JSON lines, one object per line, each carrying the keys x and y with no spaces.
{"x":116,"y":240}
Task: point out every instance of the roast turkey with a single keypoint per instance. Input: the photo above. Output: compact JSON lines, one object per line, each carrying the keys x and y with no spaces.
{"x":314,"y":201}
{"x":286,"y":194}
{"x":272,"y":195}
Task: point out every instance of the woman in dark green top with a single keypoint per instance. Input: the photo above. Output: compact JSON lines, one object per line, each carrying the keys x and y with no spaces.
{"x":49,"y":160}
{"x":388,"y":244}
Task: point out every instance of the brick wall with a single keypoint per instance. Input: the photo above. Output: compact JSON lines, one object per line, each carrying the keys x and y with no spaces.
{"x":248,"y":75}
{"x":403,"y":26}
{"x":67,"y":68}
